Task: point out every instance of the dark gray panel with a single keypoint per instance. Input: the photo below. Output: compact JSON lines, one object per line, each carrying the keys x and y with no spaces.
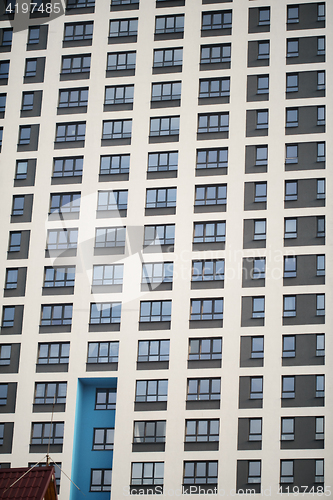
{"x":251,"y":124}
{"x":55,"y":328}
{"x":212,"y":135}
{"x":306,"y":272}
{"x":27,"y":210}
{"x":153,"y":406}
{"x":110,"y":214}
{"x":109,"y":251}
{"x":308,"y":18}
{"x":248,"y":236}
{"x":306,"y":308}
{"x":202,"y":446}
{"x":42,"y":44}
{"x":58,"y":290}
{"x":307,"y":52}
{"x":16,"y":329}
{"x":167,"y":69}
{"x":44,"y":448}
{"x":206,"y":209}
{"x":203,"y":405}
{"x":247,"y":277}
{"x":165,"y":104}
{"x":245,"y":354}
{"x":218,"y":32}
{"x":77,"y":179}
{"x":169,"y":174}
{"x":307,"y":86}
{"x":244,"y":395}
{"x":305,"y":393}
{"x":242,"y":480}
{"x":69,"y":145}
{"x":304,"y":475}
{"x":306,"y":345}
{"x":19,"y":291}
{"x":252,"y":94}
{"x":80,"y":10}
{"x":6,"y":447}
{"x":56,"y":368}
{"x":147,"y":287}
{"x":306,"y":196}
{"x":72,"y":110}
{"x":254,"y":26}
{"x":219,"y":245}
{"x":70,"y":252}
{"x":76,"y":43}
{"x":169,"y":36}
{"x":58,"y":407}
{"x":31,"y":173}
{"x":163,"y":138}
{"x":13,"y":367}
{"x":249,"y":197}
{"x":152,"y":365}
{"x":307,"y":122}
{"x":246,"y":319}
{"x":9,"y":407}
{"x":307,"y":158}
{"x":24,"y":248}
{"x":64,"y":216}
{"x":158,"y":249}
{"x":215,"y":1}
{"x":155,"y":325}
{"x":160,"y":211}
{"x":33,"y":144}
{"x":131,"y":6}
{"x":243,"y":436}
{"x":119,"y":73}
{"x":40,"y":69}
{"x":213,"y":100}
{"x":305,"y":433}
{"x":207,"y":285}
{"x":250,"y":162}
{"x":306,"y":233}
{"x":107,"y":289}
{"x":117,"y":107}
{"x":252,"y":56}
{"x":112,"y":177}
{"x":65,"y":77}
{"x":204,"y":363}
{"x":109,"y":327}
{"x":116,"y":142}
{"x":37,"y":105}
{"x":208,"y":323}
{"x":122,"y":39}
{"x":147,"y":447}
{"x":214,"y":66}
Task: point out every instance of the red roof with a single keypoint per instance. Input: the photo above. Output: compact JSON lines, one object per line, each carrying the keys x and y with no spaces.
{"x":38,"y":484}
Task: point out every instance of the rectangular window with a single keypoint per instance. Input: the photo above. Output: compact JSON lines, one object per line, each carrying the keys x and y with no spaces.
{"x":169,"y":24}
{"x":255,"y":429}
{"x":159,"y":235}
{"x":216,"y":20}
{"x":287,"y":429}
{"x":166,"y":91}
{"x":319,"y":477}
{"x":262,"y":119}
{"x":264,"y":16}
{"x":150,"y":431}
{"x":287,"y":471}
{"x":103,"y":439}
{"x":56,"y":314}
{"x":124,"y":2}
{"x":290,"y":267}
{"x":260,"y":192}
{"x":259,"y":229}
{"x":14,"y":241}
{"x":21,"y":170}
{"x":292,"y":14}
{"x":262,"y":84}
{"x":118,"y":61}
{"x":320,"y":432}
{"x":5,"y":353}
{"x":11,"y":279}
{"x":156,"y":310}
{"x":117,"y":129}
{"x":288,"y":387}
{"x":110,"y":237}
{"x":320,"y":305}
{"x":4,"y":70}
{"x":292,"y":47}
{"x":200,"y":431}
{"x":256,"y":387}
{"x":18,"y":205}
{"x":288,"y":346}
{"x":24,"y":135}
{"x":212,"y":54}
{"x":198,"y":473}
{"x":108,"y":274}
{"x":7,"y":36}
{"x":75,"y":64}
{"x":161,"y":198}
{"x":148,"y":391}
{"x":105,"y":313}
{"x":259,"y":268}
{"x":320,"y":386}
{"x":61,"y":239}
{"x":203,"y":389}
{"x":209,"y":232}
{"x":289,"y":306}
{"x":77,"y":4}
{"x":263,"y":49}
{"x":214,"y":87}
{"x":321,"y":80}
{"x":2,"y":433}
{"x":103,"y":352}
{"x":8,"y":316}
{"x":123,"y":27}
{"x":261,"y":155}
{"x":321,"y":189}
{"x":290,"y":228}
{"x":205,"y":349}
{"x":47,"y":433}
{"x":3,"y":98}
{"x":208,"y":270}
{"x":320,"y":115}
{"x":291,"y":153}
{"x":163,"y":161}
{"x":70,"y":132}
{"x":320,"y":227}
{"x":3,"y":394}
{"x":59,"y":276}
{"x":212,"y":158}
{"x":67,"y":167}
{"x":30,"y":68}
{"x":50,"y":393}
{"x":321,"y":46}
{"x":168,"y":125}
{"x":54,"y":353}
{"x":157,"y":272}
{"x":147,"y":473}
{"x":62,"y":203}
{"x":27,"y":101}
{"x":206,"y":309}
{"x":291,"y":190}
{"x":164,"y":58}
{"x":258,"y":307}
{"x":100,"y":480}
{"x":78,"y":31}
{"x":217,"y":122}
{"x":292,"y":82}
{"x":106,"y":399}
{"x":254,"y":472}
{"x":320,"y":344}
{"x":119,"y":94}
{"x":69,"y":98}
{"x":257,"y":347}
{"x":114,"y":164}
{"x":112,"y":200}
{"x":320,"y":12}
{"x":153,"y":350}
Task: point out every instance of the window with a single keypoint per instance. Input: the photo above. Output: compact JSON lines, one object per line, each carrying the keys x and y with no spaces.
{"x":161,"y":198}
{"x":47,"y":433}
{"x":320,"y":386}
{"x":320,"y":344}
{"x":262,"y":119}
{"x":103,"y":352}
{"x":153,"y":350}
{"x":18,"y":205}
{"x":30,"y":67}
{"x":258,"y":307}
{"x":4,"y":70}
{"x":3,"y":98}
{"x":100,"y":480}
{"x":61,"y":239}
{"x":157,"y":272}
{"x":27,"y":101}
{"x":199,"y":431}
{"x":291,"y":191}
{"x":214,"y":87}
{"x":119,"y":94}
{"x":103,"y":439}
{"x":56,"y":314}
{"x":151,"y":431}
{"x":292,"y":14}
{"x":109,"y":237}
{"x":321,"y":46}
{"x":112,"y":200}
{"x":8,"y":316}
{"x":320,"y":189}
{"x":67,"y":167}
{"x":289,"y":267}
{"x":206,"y":309}
{"x":106,"y":399}
{"x":212,"y":54}
{"x":21,"y":169}
{"x":1,"y":134}
{"x":118,"y":61}
{"x":321,"y":80}
{"x":5,"y":353}
{"x":164,"y":161}
{"x":264,"y":16}
{"x":70,"y":98}
{"x":114,"y":164}
{"x":212,"y":158}
{"x":156,"y":310}
{"x":55,"y":353}
{"x":292,"y":83}
{"x":320,"y":305}
{"x":69,"y":132}
{"x":209,"y":232}
{"x":287,"y":429}
{"x":168,"y":125}
{"x":263,"y":49}
{"x":292,"y":47}
{"x":166,"y":91}
{"x":263,"y":84}
{"x":320,"y":428}
{"x":65,"y":203}
{"x":59,"y":276}
{"x":50,"y":393}
{"x":78,"y":4}
{"x":159,"y":234}
{"x":123,"y":2}
{"x":287,"y":471}
{"x":123,"y":27}
{"x":290,"y":228}
{"x":205,"y":349}
{"x":148,"y":391}
{"x":2,"y":433}
{"x":75,"y":64}
{"x":291,"y":153}
{"x":199,"y":473}
{"x":254,"y":472}
{"x":117,"y":129}
{"x":169,"y":24}
{"x":147,"y":473}
{"x":103,"y":313}
{"x":24,"y":135}
{"x":321,"y":115}
{"x":3,"y":394}
{"x":260,"y":192}
{"x":261,"y":155}
{"x":14,"y":241}
{"x":208,"y":270}
{"x":78,"y":31}
{"x":256,"y":387}
{"x":164,"y":58}
{"x":216,"y":20}
{"x":110,"y":274}
{"x":288,"y":346}
{"x":217,"y":122}
{"x":320,"y":12}
{"x":289,"y":306}
{"x":259,"y":229}
{"x":288,"y":387}
{"x":257,"y":347}
{"x":319,"y":477}
{"x":11,"y":279}
{"x":7,"y":36}
{"x":203,"y":389}
{"x":320,"y":227}
{"x":255,"y":429}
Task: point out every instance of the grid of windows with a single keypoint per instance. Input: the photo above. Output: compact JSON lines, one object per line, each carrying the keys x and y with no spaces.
{"x":199,"y":431}
{"x":213,"y":54}
{"x":53,"y":353}
{"x":169,"y":24}
{"x":153,"y":350}
{"x":109,"y":237}
{"x":209,"y":232}
{"x":151,"y":431}
{"x":105,"y":313}
{"x":59,"y":276}
{"x":119,"y":94}
{"x":50,"y":392}
{"x":106,"y":399}
{"x":205,"y":349}
{"x":78,"y":31}
{"x":123,"y":27}
{"x":67,"y":167}
{"x":118,"y":61}
{"x":103,"y":352}
{"x":151,"y":391}
{"x":47,"y":433}
{"x":206,"y":309}
{"x":203,"y":389}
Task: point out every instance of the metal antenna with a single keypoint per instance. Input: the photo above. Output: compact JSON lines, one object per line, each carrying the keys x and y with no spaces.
{"x":48,"y":444}
{"x":76,"y":486}
{"x":23,"y":475}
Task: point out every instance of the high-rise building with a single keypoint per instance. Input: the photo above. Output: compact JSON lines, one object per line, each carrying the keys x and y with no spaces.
{"x":165,"y":235}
